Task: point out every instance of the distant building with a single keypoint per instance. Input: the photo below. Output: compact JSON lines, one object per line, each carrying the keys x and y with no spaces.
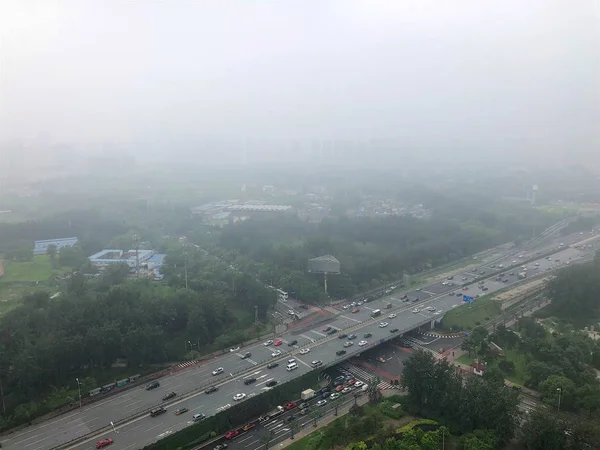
{"x":108,"y":257}
{"x":41,"y":247}
{"x":241,"y":212}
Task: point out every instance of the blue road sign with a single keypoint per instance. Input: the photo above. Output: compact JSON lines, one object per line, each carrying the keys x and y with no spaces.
{"x":468,"y":299}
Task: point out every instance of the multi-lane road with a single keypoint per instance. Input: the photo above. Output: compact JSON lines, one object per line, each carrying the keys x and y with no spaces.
{"x":144,"y":430}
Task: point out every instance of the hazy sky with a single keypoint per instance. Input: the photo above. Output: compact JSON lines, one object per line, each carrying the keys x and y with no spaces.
{"x":523,"y":70}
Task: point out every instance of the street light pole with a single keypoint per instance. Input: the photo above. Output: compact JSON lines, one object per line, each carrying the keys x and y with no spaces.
{"x":559,"y":390}
{"x":79,"y":389}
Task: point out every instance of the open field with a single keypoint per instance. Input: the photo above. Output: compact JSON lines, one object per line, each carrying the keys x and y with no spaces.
{"x":468,"y":317}
{"x":39,"y":269}
{"x":517,"y":358}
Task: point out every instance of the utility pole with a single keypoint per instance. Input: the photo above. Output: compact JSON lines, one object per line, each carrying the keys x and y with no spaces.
{"x":185,"y":268}
{"x":255,"y":314}
{"x":79,"y":389}
{"x":137,"y":255}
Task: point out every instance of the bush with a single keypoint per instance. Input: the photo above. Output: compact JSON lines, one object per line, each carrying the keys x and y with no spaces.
{"x":387,"y":408}
{"x":416,"y":423}
{"x":487,"y":318}
{"x":507,"y":367}
{"x":477,"y":323}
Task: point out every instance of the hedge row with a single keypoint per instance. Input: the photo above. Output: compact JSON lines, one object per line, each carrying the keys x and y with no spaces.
{"x":236,"y":416}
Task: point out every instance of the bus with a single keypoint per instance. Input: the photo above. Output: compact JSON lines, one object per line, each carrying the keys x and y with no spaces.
{"x":281,"y":295}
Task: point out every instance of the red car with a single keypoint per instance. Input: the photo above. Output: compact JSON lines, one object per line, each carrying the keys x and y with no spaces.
{"x":278,"y":342}
{"x":231,"y":434}
{"x":326,"y":329}
{"x":290,"y":405}
{"x":104,"y":443}
{"x":355,"y":310}
{"x":351,"y":382}
{"x":465,"y":288}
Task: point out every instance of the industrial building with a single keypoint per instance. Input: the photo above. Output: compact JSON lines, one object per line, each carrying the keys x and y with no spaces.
{"x":41,"y":247}
{"x":107,"y":257}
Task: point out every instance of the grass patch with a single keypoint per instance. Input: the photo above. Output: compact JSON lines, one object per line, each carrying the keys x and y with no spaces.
{"x":465,"y":359}
{"x":470,"y":316}
{"x":519,"y":360}
{"x":39,"y":269}
{"x":11,"y":294}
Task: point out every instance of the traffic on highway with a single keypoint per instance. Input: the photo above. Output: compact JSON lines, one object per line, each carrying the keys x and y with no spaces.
{"x":217,"y":384}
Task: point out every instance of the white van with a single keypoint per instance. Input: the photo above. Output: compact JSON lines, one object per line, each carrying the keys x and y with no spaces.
{"x":291,"y":366}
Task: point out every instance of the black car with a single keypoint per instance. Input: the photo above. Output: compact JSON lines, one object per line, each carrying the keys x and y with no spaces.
{"x":340,"y":352}
{"x":248,"y":381}
{"x":324,"y":395}
{"x":351,"y":336}
{"x":157,"y":412}
{"x":367,"y":335}
{"x":294,"y":342}
{"x":342,"y":336}
{"x":211,"y":389}
{"x":416,"y":299}
{"x":272,"y":383}
{"x":222,"y":446}
{"x":246,"y":355}
{"x":169,"y":396}
{"x":152,"y":385}
{"x":332,"y":331}
{"x":394,"y":330}
{"x":484,"y":288}
{"x":272,"y":365}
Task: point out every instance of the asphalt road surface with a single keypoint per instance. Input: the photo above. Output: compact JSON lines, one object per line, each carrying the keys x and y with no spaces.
{"x":145,"y":430}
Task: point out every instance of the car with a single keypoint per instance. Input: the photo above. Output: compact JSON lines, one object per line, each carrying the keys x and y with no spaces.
{"x":267,"y":343}
{"x":358,"y":384}
{"x":353,"y":304}
{"x":271,"y":383}
{"x":234,"y":349}
{"x":458,"y":294}
{"x":394,"y":330}
{"x":362,"y":343}
{"x":198,"y":417}
{"x":380,"y":359}
{"x":342,"y":336}
{"x":383,"y":324}
{"x":430,"y":308}
{"x":392,"y":316}
{"x":326,"y":329}
{"x":249,"y":426}
{"x":346,"y":306}
{"x":278,"y":342}
{"x":346,"y":390}
{"x":339,"y":387}
{"x":415,"y":300}
{"x":355,"y":310}
{"x":316,"y":363}
{"x":340,"y":352}
{"x":276,"y":353}
{"x":292,"y":343}
{"x":404,"y":297}
{"x":303,"y":405}
{"x":218,"y":371}
{"x":438,"y":312}
{"x":181,"y":410}
{"x":222,"y":446}
{"x":211,"y":389}
{"x":367,"y":335}
{"x":246,"y":355}
{"x":103,"y":443}
{"x":232,"y":434}
{"x":466,"y":288}
{"x":152,"y":385}
{"x":304,"y":411}
{"x":291,"y":312}
{"x":321,"y":402}
{"x":351,"y":381}
{"x":157,"y":411}
{"x":351,"y":336}
{"x":416,"y":310}
{"x":291,"y":361}
{"x":348,"y":344}
{"x":169,"y":396}
{"x":289,"y":405}
{"x":484,"y":288}
{"x":304,"y":351}
{"x":248,"y":381}
{"x":359,"y":304}
{"x":240,"y":396}
{"x":272,"y":365}
{"x":332,"y":331}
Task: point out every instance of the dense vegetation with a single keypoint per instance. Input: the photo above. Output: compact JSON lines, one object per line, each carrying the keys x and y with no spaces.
{"x":97,"y":321}
{"x":371,"y":250}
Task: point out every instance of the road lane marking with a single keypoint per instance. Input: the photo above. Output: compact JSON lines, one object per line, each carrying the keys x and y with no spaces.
{"x":152,"y":428}
{"x":252,"y":361}
{"x":309,"y":338}
{"x":317,"y":332}
{"x":350,"y":318}
{"x":249,"y":437}
{"x":251,"y":443}
{"x":264,"y":382}
{"x":299,"y":360}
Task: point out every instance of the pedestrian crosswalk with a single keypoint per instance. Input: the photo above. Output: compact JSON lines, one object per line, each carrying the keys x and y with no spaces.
{"x":418,"y":344}
{"x":185,"y":364}
{"x":363,"y":375}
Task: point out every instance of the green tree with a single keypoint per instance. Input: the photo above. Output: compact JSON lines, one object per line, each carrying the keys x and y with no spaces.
{"x":507,"y":367}
{"x":557,"y":388}
{"x":544,"y":431}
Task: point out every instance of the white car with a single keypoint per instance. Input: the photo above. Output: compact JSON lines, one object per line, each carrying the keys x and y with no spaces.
{"x":269,"y":342}
{"x":348,"y":344}
{"x":240,"y":396}
{"x":304,"y":351}
{"x":321,"y":402}
{"x":359,"y":304}
{"x":358,"y":384}
{"x":383,"y":324}
{"x":334,"y":396}
{"x":234,"y":349}
{"x":437,"y":313}
{"x":346,"y":306}
{"x":362,"y":343}
{"x":218,"y":371}
{"x":276,"y":353}
{"x":346,"y":390}
{"x":416,"y":310}
{"x":392,"y":316}
{"x":430,"y":308}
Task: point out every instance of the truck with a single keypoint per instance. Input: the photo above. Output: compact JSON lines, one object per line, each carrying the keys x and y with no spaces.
{"x":522,"y":275}
{"x":271,"y":415}
{"x":307,"y":394}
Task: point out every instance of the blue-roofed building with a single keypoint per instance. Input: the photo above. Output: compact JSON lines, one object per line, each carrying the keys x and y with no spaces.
{"x":41,"y":247}
{"x":112,"y":256}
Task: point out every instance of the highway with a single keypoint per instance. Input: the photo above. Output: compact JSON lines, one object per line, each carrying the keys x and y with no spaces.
{"x":144,"y":430}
